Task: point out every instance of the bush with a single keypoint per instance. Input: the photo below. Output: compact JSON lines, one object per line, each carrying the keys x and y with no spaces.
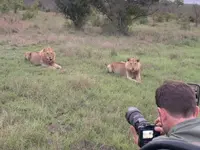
{"x":159,"y":17}
{"x":162,"y":16}
{"x":184,"y":23}
{"x":170,"y":16}
{"x":76,"y":10}
{"x":28,"y":15}
{"x":96,"y":18}
{"x":14,"y":5}
{"x":4,"y":8}
{"x":120,"y":13}
{"x":17,"y":4}
{"x":185,"y":26}
{"x":143,"y":20}
{"x":31,"y":11}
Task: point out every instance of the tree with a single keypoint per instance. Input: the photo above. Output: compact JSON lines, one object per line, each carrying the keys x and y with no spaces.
{"x":76,"y":10}
{"x":170,"y":6}
{"x":196,"y":9}
{"x":15,"y":5}
{"x":121,"y":13}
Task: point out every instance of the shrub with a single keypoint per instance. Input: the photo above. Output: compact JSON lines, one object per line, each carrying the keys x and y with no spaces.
{"x":76,"y":10}
{"x":14,"y":5}
{"x":143,"y":20}
{"x":170,"y":16}
{"x":4,"y":8}
{"x":120,"y":13}
{"x":184,"y":23}
{"x":28,"y":15}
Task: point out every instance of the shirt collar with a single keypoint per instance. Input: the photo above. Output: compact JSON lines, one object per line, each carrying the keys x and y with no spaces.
{"x":183,"y":125}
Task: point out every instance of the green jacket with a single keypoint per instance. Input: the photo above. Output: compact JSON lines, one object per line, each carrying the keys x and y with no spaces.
{"x":188,"y":131}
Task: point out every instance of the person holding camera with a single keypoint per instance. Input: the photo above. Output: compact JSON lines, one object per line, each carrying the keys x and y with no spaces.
{"x":178,"y":112}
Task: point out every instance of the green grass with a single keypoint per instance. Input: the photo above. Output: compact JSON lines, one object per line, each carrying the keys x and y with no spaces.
{"x":83,"y":106}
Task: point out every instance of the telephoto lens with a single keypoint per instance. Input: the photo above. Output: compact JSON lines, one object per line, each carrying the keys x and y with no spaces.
{"x":143,"y":128}
{"x":135,"y":118}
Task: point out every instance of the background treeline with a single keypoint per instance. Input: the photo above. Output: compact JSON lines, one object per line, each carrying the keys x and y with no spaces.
{"x":120,"y":14}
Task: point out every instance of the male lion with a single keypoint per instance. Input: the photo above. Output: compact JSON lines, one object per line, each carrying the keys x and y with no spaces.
{"x":131,"y":69}
{"x":45,"y":57}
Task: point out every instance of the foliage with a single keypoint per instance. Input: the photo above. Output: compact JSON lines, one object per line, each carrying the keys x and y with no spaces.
{"x":28,"y":15}
{"x":196,"y":9}
{"x":176,"y":2}
{"x":120,"y":13}
{"x":4,"y":7}
{"x":31,"y":11}
{"x":14,"y":5}
{"x":76,"y":10}
{"x":164,"y":16}
{"x":184,"y":23}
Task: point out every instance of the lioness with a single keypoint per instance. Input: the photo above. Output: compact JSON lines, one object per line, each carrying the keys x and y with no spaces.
{"x":45,"y":57}
{"x":131,"y":69}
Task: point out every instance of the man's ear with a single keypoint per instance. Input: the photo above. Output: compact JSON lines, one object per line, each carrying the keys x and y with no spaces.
{"x":162,"y":113}
{"x":159,"y":111}
{"x":197,"y":109}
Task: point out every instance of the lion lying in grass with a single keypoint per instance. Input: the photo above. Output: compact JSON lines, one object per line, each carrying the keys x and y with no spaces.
{"x":45,"y":57}
{"x":131,"y":69}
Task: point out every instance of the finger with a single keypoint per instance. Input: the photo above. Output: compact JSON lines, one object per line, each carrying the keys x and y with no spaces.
{"x":157,"y":120}
{"x":159,"y":129}
{"x":158,"y":124}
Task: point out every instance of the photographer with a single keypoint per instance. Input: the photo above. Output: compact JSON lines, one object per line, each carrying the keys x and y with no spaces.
{"x":178,"y":113}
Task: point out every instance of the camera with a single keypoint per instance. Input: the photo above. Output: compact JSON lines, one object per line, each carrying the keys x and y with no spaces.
{"x":144,"y":129}
{"x":196,"y":88}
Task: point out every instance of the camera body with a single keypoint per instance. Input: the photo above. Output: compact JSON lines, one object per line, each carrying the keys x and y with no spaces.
{"x":146,"y":134}
{"x":144,"y":129}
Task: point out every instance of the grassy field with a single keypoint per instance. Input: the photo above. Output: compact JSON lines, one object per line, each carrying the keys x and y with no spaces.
{"x":82,"y":106}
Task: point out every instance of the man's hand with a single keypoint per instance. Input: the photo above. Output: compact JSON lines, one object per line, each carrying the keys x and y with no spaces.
{"x":134,"y":135}
{"x":158,"y":127}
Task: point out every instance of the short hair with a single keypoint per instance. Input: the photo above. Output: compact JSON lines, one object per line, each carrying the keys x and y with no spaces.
{"x":177,"y":98}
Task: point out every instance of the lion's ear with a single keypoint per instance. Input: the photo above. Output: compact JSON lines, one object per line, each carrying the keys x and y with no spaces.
{"x":28,"y":55}
{"x":50,"y":49}
{"x":128,"y":59}
{"x":138,"y":60}
{"x":44,"y":50}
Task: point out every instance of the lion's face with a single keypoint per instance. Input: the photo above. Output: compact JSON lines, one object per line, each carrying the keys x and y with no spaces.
{"x":49,"y":55}
{"x":133,"y":64}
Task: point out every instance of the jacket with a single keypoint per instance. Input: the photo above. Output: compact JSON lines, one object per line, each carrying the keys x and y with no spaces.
{"x":188,"y":131}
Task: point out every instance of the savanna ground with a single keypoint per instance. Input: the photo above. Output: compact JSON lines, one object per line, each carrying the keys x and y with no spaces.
{"x":82,"y":106}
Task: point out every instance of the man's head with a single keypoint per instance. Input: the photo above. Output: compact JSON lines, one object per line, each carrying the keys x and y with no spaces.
{"x":176,"y":102}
